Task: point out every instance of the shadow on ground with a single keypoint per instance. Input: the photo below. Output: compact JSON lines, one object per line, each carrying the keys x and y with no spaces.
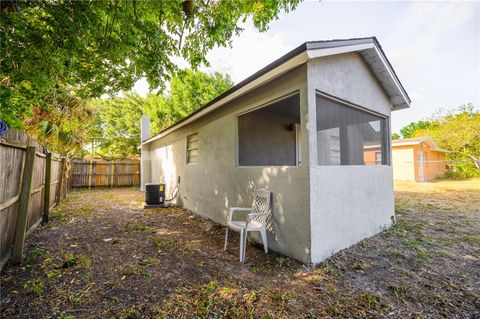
{"x":103,"y":256}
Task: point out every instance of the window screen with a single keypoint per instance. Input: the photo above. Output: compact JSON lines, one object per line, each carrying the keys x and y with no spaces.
{"x":267,"y":136}
{"x":348,"y":136}
{"x":192,"y":148}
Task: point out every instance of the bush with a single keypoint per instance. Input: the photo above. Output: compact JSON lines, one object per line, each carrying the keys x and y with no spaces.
{"x":463,"y":170}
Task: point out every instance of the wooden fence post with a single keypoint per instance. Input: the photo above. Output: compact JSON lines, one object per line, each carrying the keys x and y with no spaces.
{"x":115,"y":176}
{"x":112,"y":171}
{"x":60,"y":181}
{"x":20,"y":229}
{"x":66,"y":178}
{"x":90,"y":172}
{"x":46,"y":190}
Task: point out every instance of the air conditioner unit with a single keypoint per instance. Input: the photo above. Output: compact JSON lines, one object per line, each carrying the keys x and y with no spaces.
{"x":154,"y":195}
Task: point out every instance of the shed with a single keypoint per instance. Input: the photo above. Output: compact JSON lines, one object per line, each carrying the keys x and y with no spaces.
{"x":417,"y":159}
{"x":300,"y":127}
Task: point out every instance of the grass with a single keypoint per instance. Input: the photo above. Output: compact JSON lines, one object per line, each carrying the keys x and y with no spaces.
{"x":132,"y":227}
{"x":162,"y":243}
{"x":62,"y":213}
{"x":34,"y":285}
{"x":164,"y":264}
{"x":472,"y":239}
{"x":34,"y":254}
{"x":439,"y":186}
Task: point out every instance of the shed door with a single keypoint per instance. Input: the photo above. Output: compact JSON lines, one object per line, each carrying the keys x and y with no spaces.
{"x":420,"y":166}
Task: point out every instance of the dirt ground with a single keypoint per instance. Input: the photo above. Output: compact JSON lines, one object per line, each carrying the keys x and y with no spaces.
{"x":102,"y":256}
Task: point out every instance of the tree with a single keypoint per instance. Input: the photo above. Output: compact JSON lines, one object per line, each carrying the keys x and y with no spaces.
{"x":61,"y":127}
{"x":190,"y":90}
{"x":409,"y":130}
{"x":456,"y":130}
{"x":52,"y":48}
{"x":395,"y":136}
{"x":118,"y":134}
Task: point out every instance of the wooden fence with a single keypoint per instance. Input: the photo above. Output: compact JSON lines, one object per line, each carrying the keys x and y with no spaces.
{"x":104,"y":174}
{"x":25,"y":200}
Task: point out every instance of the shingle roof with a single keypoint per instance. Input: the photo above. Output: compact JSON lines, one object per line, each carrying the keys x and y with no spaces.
{"x":412,"y":140}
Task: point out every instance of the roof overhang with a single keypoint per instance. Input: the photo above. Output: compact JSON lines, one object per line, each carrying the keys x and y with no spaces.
{"x":425,"y":139}
{"x":368,"y":48}
{"x":372,"y":53}
{"x":410,"y":142}
{"x":406,"y":144}
{"x":243,"y":87}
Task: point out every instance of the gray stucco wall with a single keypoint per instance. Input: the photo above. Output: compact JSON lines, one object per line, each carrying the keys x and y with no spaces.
{"x":348,"y":203}
{"x":216,"y":183}
{"x":317,"y":210}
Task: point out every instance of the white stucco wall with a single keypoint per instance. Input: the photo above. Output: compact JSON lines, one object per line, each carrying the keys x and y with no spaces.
{"x":216,"y":183}
{"x":348,"y":203}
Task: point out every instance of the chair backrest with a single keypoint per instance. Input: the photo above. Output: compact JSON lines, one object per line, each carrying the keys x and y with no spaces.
{"x":261,"y":205}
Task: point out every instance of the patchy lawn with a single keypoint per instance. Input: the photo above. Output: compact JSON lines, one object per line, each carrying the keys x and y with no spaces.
{"x":103,"y":256}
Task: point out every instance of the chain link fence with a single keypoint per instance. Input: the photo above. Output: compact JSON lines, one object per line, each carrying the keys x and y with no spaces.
{"x":425,"y":170}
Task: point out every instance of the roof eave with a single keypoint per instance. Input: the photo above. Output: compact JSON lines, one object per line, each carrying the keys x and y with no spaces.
{"x":401,"y":106}
{"x":288,"y":62}
{"x":295,"y":58}
{"x":372,"y":52}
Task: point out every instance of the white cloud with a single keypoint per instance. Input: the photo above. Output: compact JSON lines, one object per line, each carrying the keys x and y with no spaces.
{"x":250,"y":52}
{"x":423,"y":27}
{"x":419,"y":94}
{"x":141,"y":87}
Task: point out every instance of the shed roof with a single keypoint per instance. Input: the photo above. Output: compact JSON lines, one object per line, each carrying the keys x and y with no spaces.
{"x":418,"y":140}
{"x":369,"y":48}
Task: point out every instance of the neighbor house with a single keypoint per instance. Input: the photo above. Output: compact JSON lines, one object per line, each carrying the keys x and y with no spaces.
{"x":417,"y":159}
{"x":300,"y":127}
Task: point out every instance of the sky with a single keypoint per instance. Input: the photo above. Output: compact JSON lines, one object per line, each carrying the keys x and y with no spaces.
{"x":434,"y":47}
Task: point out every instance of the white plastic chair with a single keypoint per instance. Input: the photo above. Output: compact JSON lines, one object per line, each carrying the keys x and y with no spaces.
{"x":256,"y":221}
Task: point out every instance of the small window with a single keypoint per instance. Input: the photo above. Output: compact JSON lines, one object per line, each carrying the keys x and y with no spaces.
{"x":348,"y":135}
{"x":192,"y":148}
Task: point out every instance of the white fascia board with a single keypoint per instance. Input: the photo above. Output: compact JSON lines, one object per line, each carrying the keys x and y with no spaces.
{"x":406,"y":100}
{"x":322,"y":52}
{"x":267,"y":77}
{"x":432,"y":149}
{"x":423,"y":140}
{"x":399,"y":102}
{"x":406,"y":143}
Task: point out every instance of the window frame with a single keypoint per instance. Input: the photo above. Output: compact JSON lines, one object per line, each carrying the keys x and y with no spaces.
{"x":297,"y":129}
{"x":385,"y":123}
{"x":377,"y":162}
{"x":188,"y":149}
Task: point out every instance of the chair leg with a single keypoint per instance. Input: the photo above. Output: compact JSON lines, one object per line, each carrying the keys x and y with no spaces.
{"x":241,"y":245}
{"x":226,"y":240}
{"x":245,"y":244}
{"x":264,"y":240}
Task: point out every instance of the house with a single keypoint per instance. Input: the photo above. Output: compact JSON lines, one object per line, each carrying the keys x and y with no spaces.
{"x":417,"y":159}
{"x":299,"y":127}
